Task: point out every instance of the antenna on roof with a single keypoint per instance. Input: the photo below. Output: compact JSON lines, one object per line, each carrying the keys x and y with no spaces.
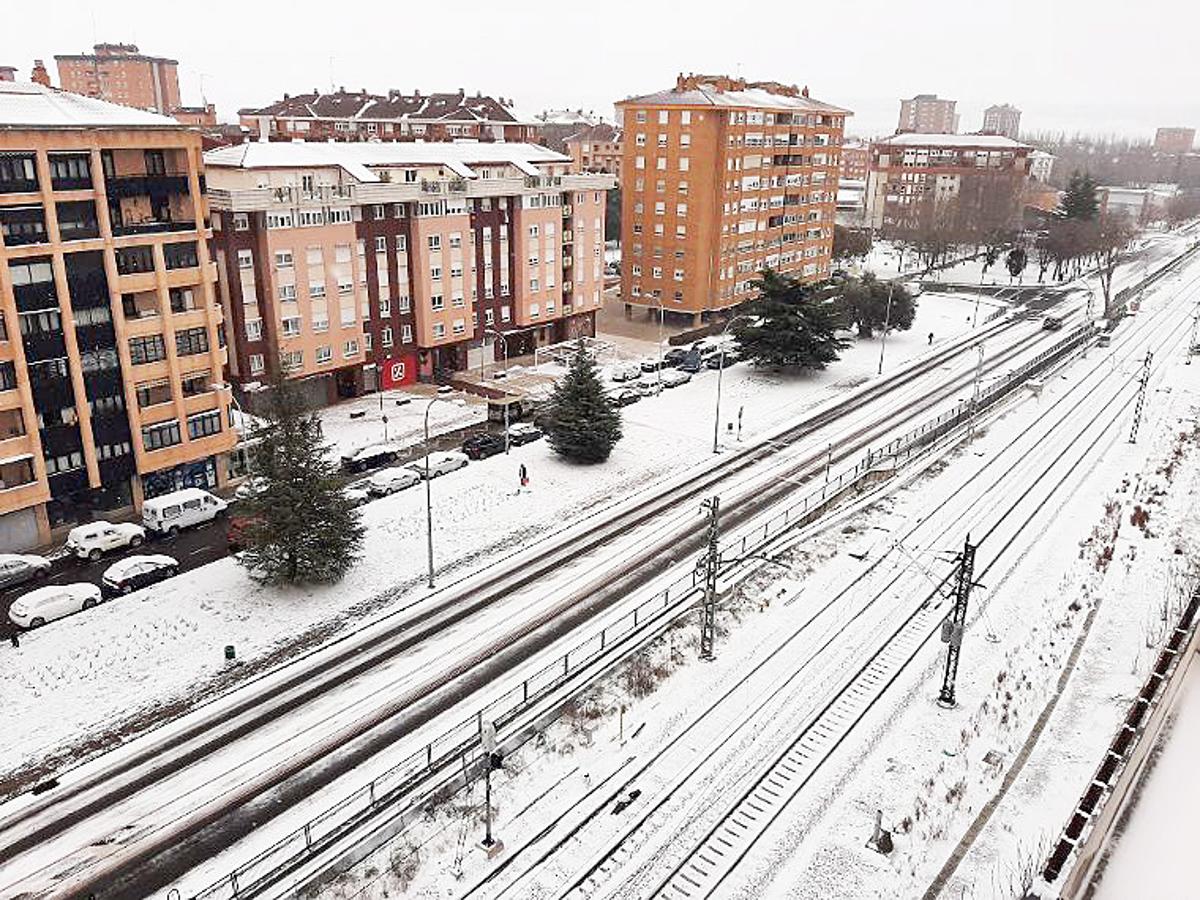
{"x":331,"y":73}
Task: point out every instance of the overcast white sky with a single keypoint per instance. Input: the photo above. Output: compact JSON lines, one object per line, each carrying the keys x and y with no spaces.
{"x":1097,"y":66}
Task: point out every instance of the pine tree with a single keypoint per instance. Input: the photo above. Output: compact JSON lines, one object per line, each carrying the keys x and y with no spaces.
{"x":302,"y":528}
{"x":1016,"y":261}
{"x":864,"y":305}
{"x":1079,"y":202}
{"x":789,"y":327}
{"x":583,"y":422}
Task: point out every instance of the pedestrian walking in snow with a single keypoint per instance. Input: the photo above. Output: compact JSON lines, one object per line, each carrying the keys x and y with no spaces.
{"x":931,"y":339}
{"x":524,"y":473}
{"x":16,"y":641}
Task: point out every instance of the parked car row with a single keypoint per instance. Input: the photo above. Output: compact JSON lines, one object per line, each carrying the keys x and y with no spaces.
{"x":55,"y":601}
{"x":485,"y":444}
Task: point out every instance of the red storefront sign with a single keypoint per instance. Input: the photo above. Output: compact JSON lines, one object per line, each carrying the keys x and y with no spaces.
{"x":398,"y":371}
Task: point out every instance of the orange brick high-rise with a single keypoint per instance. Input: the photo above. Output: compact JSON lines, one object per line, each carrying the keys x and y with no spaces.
{"x":722,"y":178}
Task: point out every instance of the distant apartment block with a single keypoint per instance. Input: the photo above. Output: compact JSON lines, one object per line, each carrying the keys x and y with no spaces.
{"x":596,"y":148}
{"x":120,"y":73}
{"x":910,"y":171}
{"x":720,"y":179}
{"x":1004,"y":119}
{"x":359,"y":265}
{"x":349,"y":116}
{"x":927,"y":114}
{"x":856,"y":160}
{"x":112,"y":346}
{"x":1175,"y":141}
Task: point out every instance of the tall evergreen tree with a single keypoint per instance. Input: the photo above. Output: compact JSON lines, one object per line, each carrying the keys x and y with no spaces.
{"x":302,"y":527}
{"x":864,"y":305}
{"x":1079,"y":201}
{"x":790,"y":327}
{"x":584,"y":424}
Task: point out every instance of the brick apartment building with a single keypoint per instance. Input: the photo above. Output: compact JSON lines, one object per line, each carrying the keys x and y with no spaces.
{"x":909,"y":169}
{"x":357,"y":265}
{"x":856,"y":160}
{"x":1174,"y":141}
{"x":1004,"y":119}
{"x":111,"y":341}
{"x":596,"y":148}
{"x":927,"y":114}
{"x":350,"y":116}
{"x":120,"y":73}
{"x":720,"y":179}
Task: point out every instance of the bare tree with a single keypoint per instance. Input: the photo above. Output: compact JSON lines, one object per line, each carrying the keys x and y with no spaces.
{"x":1106,"y":242}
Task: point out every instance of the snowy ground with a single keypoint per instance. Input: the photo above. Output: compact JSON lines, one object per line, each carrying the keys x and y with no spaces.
{"x":166,"y":642}
{"x":353,"y":424}
{"x":924,"y":767}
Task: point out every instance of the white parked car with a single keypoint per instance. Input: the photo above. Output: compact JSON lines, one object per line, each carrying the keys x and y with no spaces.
{"x":52,"y":602}
{"x":439,"y":463}
{"x":674,"y":377}
{"x":625,"y":372}
{"x":17,"y":568}
{"x":168,"y":513}
{"x":356,"y":494}
{"x":371,"y":457}
{"x":388,"y":481}
{"x":93,"y":540}
{"x":250,"y":487}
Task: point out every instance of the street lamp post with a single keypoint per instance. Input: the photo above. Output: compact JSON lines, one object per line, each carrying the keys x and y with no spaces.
{"x":504,"y":347}
{"x":887,"y":320}
{"x":661,"y":313}
{"x":429,"y":492}
{"x":720,"y":373}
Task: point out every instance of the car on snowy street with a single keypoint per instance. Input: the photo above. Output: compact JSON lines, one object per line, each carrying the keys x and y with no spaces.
{"x":250,"y":487}
{"x":357,"y":492}
{"x":35,"y":609}
{"x":136,"y":571}
{"x":483,"y":445}
{"x":1052,"y":323}
{"x":370,"y":457}
{"x":439,"y":463}
{"x":650,"y":364}
{"x":184,"y":508}
{"x":627,"y":397}
{"x":17,"y":568}
{"x":388,"y":481}
{"x":722,"y":360}
{"x":675,"y":377}
{"x":523,"y":433}
{"x":675,"y":356}
{"x":649,"y":388}
{"x":625,"y":372}
{"x":93,"y":540}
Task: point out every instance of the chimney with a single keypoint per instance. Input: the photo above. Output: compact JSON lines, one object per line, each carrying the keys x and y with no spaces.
{"x":8,"y":73}
{"x":285,"y":96}
{"x":39,"y":74}
{"x":804,"y":93}
{"x":416,"y":95}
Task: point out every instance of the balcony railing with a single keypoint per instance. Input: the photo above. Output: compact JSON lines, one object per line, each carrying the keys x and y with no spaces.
{"x":126,"y":229}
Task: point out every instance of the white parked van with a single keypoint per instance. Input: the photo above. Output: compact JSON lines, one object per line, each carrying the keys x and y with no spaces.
{"x":181,"y":509}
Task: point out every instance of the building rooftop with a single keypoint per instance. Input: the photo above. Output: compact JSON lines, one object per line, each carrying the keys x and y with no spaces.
{"x":357,"y":158}
{"x":991,"y":141}
{"x":116,"y":52}
{"x":720,"y":90}
{"x":603,"y":133}
{"x":341,"y":104}
{"x":27,"y":105}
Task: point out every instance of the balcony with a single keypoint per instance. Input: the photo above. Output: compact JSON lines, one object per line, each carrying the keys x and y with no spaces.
{"x":22,"y":225}
{"x":146,"y":183}
{"x":128,"y":229}
{"x":566,"y":211}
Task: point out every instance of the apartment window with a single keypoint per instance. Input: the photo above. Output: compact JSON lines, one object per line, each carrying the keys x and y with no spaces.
{"x":535,"y":310}
{"x":639,"y":162}
{"x":457,"y":301}
{"x":683,"y":187}
{"x":435,"y":273}
{"x":681,"y":209}
{"x":147,"y":349}
{"x":385,"y":306}
{"x":663,"y":117}
{"x":254,"y":329}
{"x":439,"y":330}
{"x":656,"y":272}
{"x":437,"y":302}
{"x":385,"y":336}
{"x":504,"y":289}
{"x":164,"y":434}
{"x":662,"y":141}
{"x":257,"y":364}
{"x":287,"y":292}
{"x":377,"y":211}
{"x":685,"y":140}
{"x":316,"y":290}
{"x":489,"y":317}
{"x":658,"y":229}
{"x":245,"y":259}
{"x":191,"y":341}
{"x":435,"y":242}
{"x":637,"y":270}
{"x":405,"y":303}
{"x":290,"y":326}
{"x":685,"y":117}
{"x":683,"y":164}
{"x":406,"y":334}
{"x":640,"y":140}
{"x":310,"y":218}
{"x":350,"y":348}
{"x":641,"y":117}
{"x":659,"y":208}
{"x":455,"y":239}
{"x":280,"y":220}
{"x":340,"y":217}
{"x":283,"y":259}
{"x":320,"y":322}
{"x":459,"y":327}
{"x":241,"y":222}
{"x":368,"y":340}
{"x":204,"y":424}
{"x":680,"y":231}
{"x":381,"y":244}
{"x":534,"y":284}
{"x":660,"y":163}
{"x":679,"y":274}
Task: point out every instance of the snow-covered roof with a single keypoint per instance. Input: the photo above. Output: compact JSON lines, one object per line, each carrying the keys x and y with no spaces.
{"x":25,"y":104}
{"x":416,"y":107}
{"x":751,"y":97}
{"x":357,"y":158}
{"x":990,"y":141}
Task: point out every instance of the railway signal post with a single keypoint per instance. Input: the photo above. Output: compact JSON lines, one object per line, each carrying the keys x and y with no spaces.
{"x":708,"y":613}
{"x":952,"y":627}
